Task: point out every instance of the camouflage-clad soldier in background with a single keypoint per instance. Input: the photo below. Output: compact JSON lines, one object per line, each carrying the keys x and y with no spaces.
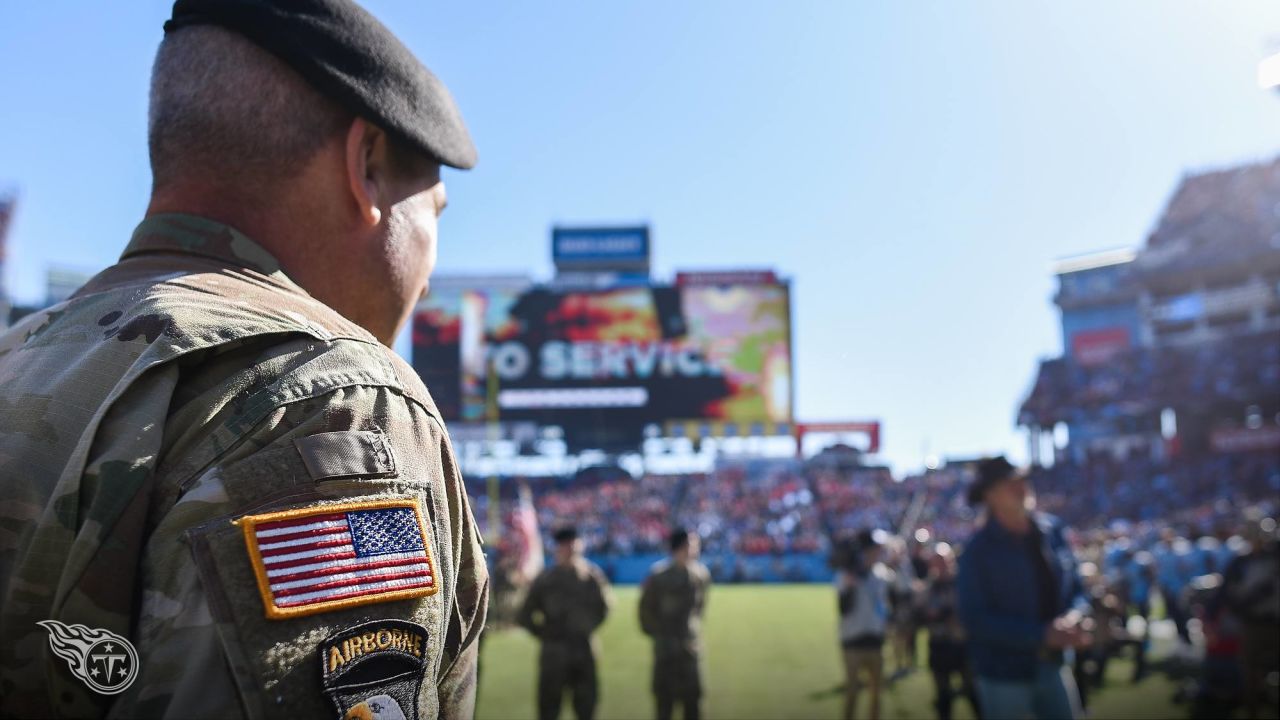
{"x":565,"y":605}
{"x":672,"y":601}
{"x":209,"y":450}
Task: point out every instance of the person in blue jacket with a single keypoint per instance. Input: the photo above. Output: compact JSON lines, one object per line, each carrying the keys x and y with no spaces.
{"x":1141,"y":576}
{"x":1174,"y":573}
{"x":1021,"y":602}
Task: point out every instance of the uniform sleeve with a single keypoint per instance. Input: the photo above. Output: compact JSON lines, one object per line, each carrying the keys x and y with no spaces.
{"x":532,"y":604}
{"x":456,"y":685}
{"x":649,"y":621}
{"x":81,"y":568}
{"x":603,"y":599}
{"x":706,"y":591}
{"x":314,"y":450}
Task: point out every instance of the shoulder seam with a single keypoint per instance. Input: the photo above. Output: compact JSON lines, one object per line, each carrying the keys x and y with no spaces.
{"x":190,"y":471}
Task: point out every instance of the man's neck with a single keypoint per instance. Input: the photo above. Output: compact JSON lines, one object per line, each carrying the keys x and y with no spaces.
{"x":217,"y":204}
{"x":294,"y":229}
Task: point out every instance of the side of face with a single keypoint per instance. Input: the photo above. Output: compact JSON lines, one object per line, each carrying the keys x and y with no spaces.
{"x":689,"y":550}
{"x":1008,"y":495}
{"x":567,"y":550}
{"x":410,"y":237}
{"x":397,"y":196}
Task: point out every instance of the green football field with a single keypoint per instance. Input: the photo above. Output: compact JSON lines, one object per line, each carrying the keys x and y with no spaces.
{"x":771,"y":652}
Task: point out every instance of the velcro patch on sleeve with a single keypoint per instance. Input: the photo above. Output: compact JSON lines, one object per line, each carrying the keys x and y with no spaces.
{"x":347,"y":454}
{"x":326,"y":557}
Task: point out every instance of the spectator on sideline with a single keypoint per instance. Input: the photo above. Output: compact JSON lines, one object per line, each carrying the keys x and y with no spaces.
{"x":946,"y":634}
{"x":1021,"y":601}
{"x":903,"y":609}
{"x":1250,"y":592}
{"x":1173,"y":560}
{"x":862,"y":586}
{"x":1141,"y":579}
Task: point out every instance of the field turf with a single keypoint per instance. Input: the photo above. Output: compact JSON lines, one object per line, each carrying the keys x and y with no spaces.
{"x":770,"y":653}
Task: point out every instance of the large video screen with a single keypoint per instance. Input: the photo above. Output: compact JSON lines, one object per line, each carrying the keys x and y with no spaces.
{"x":623,"y":355}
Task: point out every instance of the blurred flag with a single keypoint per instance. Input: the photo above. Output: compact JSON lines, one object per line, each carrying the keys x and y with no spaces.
{"x":529,"y":553}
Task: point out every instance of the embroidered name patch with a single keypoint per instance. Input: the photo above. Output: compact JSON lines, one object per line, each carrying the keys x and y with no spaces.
{"x":373,"y":671}
{"x":327,"y":557}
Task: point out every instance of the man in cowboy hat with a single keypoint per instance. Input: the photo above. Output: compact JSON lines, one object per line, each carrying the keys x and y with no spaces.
{"x":1021,"y":601}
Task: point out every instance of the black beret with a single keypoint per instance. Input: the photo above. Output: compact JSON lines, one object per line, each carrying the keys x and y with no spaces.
{"x":351,"y":58}
{"x":565,"y":534}
{"x":990,"y":472}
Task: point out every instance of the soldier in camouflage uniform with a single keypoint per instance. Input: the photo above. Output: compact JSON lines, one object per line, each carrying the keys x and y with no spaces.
{"x":564,"y":606}
{"x":672,"y":601}
{"x":177,"y":434}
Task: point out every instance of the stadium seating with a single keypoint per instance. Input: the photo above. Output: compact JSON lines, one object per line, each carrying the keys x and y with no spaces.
{"x":775,"y":519}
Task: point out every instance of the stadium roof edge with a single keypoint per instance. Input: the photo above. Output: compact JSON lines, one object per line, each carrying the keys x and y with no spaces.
{"x":1094,"y":260}
{"x":1269,"y":72}
{"x":1245,"y":162}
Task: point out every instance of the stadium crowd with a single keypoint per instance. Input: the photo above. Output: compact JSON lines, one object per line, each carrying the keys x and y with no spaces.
{"x":1235,"y":371}
{"x":773,"y":507}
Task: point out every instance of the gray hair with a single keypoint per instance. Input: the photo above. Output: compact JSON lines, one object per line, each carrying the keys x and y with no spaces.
{"x":223,"y":108}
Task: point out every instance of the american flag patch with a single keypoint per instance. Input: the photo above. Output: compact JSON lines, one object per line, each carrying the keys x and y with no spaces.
{"x":328,"y":557}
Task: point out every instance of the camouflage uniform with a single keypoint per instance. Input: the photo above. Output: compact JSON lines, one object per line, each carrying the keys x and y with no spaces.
{"x":181,"y":389}
{"x":564,"y":606}
{"x":672,"y":601}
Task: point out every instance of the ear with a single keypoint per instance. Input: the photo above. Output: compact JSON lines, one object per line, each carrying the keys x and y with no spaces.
{"x":366,"y":171}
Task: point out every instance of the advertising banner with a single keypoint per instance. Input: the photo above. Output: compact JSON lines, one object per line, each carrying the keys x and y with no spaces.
{"x":605,"y":249}
{"x":1236,"y":440}
{"x":726,"y":277}
{"x":1097,"y":347}
{"x":869,"y":428}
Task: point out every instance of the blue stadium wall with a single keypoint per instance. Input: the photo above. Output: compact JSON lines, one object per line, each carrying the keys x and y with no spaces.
{"x":725,"y":568}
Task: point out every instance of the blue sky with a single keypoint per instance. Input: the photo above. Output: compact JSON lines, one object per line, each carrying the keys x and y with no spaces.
{"x":914,"y":167}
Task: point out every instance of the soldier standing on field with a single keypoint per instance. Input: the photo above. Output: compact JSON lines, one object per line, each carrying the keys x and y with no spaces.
{"x":672,"y":602}
{"x":224,"y":494}
{"x":565,"y":605}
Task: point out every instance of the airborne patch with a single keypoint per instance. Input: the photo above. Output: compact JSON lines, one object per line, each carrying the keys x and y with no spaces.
{"x":373,"y":671}
{"x":327,"y":557}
